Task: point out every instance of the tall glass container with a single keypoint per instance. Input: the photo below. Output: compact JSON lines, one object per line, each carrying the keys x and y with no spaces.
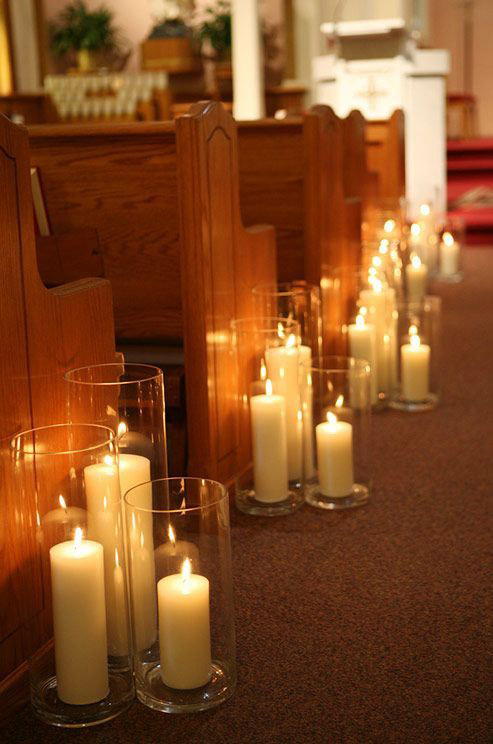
{"x":178,"y":539}
{"x":84,"y":676}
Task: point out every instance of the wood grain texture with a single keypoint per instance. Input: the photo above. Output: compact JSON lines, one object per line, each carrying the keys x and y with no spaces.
{"x":121,"y":181}
{"x":385,"y":156}
{"x":220,"y":262}
{"x":44,"y":333}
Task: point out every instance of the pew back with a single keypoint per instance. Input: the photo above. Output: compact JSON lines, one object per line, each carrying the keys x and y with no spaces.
{"x":44,"y":333}
{"x":385,"y":156}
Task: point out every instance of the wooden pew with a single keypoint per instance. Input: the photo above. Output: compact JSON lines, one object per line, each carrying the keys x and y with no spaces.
{"x":164,"y":199}
{"x":293,"y":175}
{"x":44,"y":333}
{"x":385,"y":156}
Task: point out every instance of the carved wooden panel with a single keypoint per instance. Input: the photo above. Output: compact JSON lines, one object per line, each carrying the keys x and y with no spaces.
{"x":221,"y":262}
{"x":44,"y":333}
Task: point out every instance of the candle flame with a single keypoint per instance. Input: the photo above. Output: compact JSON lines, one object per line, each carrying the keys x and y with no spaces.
{"x":117,"y":562}
{"x":263,"y":370}
{"x":384,"y":246}
{"x":413,"y":329}
{"x":416,"y":261}
{"x":360,"y":321}
{"x":62,"y":502}
{"x":376,"y":261}
{"x":291,"y":341}
{"x":415,"y":341}
{"x":331,"y":418}
{"x":142,"y":539}
{"x":171,"y":535}
{"x":377,"y":285}
{"x":448,"y":239}
{"x":309,"y":378}
{"x":389,"y":225}
{"x":268,"y":387}
{"x":108,"y":460}
{"x":340,"y":401}
{"x":122,"y":429}
{"x":280,"y":330}
{"x":38,"y":518}
{"x":78,"y":537}
{"x":425,"y":210}
{"x":300,"y":416}
{"x":281,"y":373}
{"x":186,"y":571}
{"x":415,"y":229}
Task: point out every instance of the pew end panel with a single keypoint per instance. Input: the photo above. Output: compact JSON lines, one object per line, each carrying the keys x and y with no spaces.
{"x":44,"y":333}
{"x":385,"y":156}
{"x":221,"y":263}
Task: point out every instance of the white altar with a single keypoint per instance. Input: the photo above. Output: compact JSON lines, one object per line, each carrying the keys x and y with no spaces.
{"x":377,"y":69}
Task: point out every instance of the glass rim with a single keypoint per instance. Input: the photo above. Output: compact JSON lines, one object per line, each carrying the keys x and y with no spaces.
{"x":273,"y":289}
{"x":111,"y":439}
{"x":68,"y":375}
{"x":186,"y":509}
{"x":350,"y":363}
{"x":262,"y":319}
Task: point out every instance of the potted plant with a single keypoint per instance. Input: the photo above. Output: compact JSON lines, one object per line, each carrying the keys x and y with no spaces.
{"x":213,"y":29}
{"x":83,"y":32}
{"x":169,"y":46}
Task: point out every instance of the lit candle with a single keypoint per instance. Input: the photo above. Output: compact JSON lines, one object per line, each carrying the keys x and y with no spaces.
{"x":416,"y":276}
{"x":64,"y":515}
{"x":363,"y":345}
{"x":449,"y":255}
{"x":184,"y":629}
{"x":335,"y":457}
{"x":415,"y":369}
{"x":79,"y":620}
{"x":375,"y":300}
{"x":283,"y":369}
{"x":307,"y":417}
{"x":269,"y":443}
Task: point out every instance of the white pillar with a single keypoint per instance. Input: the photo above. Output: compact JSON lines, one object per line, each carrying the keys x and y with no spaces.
{"x":248,"y":68}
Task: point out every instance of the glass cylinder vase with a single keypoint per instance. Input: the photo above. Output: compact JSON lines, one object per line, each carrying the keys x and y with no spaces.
{"x":451,"y":243}
{"x":361,"y":322}
{"x":129,"y":399}
{"x":418,"y":386}
{"x":268,"y":357}
{"x":337,"y":431}
{"x":84,"y":675}
{"x":178,"y":539}
{"x":298,"y":301}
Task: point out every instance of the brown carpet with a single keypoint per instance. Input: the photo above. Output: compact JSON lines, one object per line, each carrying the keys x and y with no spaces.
{"x":372,"y":626}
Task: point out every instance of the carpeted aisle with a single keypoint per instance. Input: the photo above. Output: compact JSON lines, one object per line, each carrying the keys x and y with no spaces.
{"x":372,"y":626}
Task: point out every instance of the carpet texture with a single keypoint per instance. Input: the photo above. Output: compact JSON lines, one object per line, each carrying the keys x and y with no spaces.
{"x":375,"y":625}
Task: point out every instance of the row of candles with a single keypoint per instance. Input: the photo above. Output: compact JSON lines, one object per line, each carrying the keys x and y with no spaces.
{"x":295,"y":447}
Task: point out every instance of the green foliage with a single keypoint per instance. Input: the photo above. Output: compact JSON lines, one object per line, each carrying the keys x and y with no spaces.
{"x":216,"y":27}
{"x":78,"y":28}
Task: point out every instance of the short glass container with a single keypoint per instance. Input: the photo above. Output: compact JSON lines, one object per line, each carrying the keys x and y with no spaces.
{"x":451,"y":243}
{"x":181,"y":589}
{"x":418,"y":387}
{"x":268,"y":356}
{"x":129,"y":399}
{"x":361,"y":323}
{"x":337,"y":432}
{"x":70,"y":472}
{"x":298,"y":301}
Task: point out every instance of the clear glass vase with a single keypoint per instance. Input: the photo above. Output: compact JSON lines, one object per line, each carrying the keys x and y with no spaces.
{"x":178,"y":539}
{"x":337,"y":432}
{"x":84,"y":675}
{"x":268,"y":357}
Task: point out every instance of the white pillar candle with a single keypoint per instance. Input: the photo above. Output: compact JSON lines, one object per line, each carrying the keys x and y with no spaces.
{"x":270,"y":461}
{"x":335,"y":457}
{"x":248,"y":73}
{"x":184,"y":629}
{"x":416,"y":276}
{"x":449,"y":255}
{"x":283,"y":369}
{"x":79,"y":620}
{"x":415,"y":370}
{"x":363,"y":345}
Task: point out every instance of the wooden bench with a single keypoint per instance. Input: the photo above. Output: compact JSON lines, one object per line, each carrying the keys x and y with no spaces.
{"x":385,"y":156}
{"x":176,"y":280}
{"x":44,"y":333}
